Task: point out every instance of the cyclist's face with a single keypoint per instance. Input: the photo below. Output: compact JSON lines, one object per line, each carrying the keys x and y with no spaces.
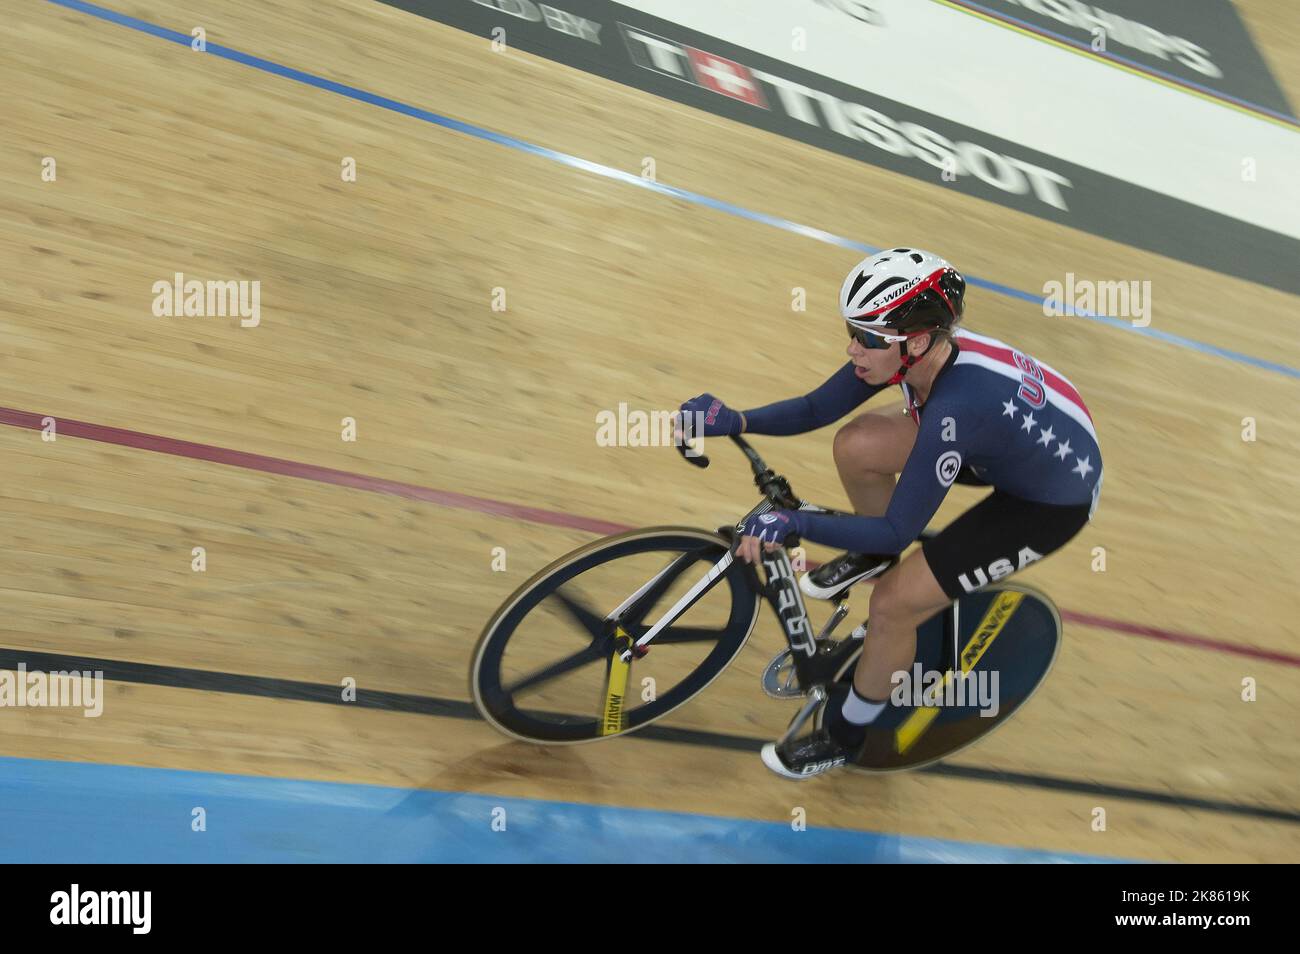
{"x":874,"y":365}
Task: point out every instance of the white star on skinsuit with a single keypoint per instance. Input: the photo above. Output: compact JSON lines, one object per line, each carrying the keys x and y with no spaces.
{"x":1046,"y":436}
{"x":1082,"y":467}
{"x":1063,"y":449}
{"x":1027,"y":423}
{"x":1008,"y":410}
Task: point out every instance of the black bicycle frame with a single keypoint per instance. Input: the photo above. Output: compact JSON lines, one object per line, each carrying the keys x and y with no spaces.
{"x":780,"y":588}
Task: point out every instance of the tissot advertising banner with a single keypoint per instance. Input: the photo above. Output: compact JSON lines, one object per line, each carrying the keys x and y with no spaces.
{"x":1168,"y":174}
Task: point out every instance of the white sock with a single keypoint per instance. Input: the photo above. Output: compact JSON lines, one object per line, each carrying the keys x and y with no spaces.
{"x":860,"y":711}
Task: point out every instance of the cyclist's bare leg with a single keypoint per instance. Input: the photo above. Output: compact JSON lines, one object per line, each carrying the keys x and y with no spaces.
{"x":902,"y":600}
{"x":869,"y":451}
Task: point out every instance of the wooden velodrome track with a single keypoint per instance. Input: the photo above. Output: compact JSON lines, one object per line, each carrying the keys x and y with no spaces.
{"x":376,"y":305}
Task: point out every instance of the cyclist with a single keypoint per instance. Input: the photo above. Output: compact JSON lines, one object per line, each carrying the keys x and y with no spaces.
{"x":975,"y":411}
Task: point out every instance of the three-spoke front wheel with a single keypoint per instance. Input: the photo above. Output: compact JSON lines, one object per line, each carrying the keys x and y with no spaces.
{"x":542,"y":668}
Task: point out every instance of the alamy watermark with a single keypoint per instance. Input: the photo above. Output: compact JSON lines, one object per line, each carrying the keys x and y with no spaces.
{"x":133,"y":908}
{"x":21,"y":689}
{"x":919,"y":688}
{"x":636,"y":428}
{"x":191,"y":298}
{"x":1074,"y":296}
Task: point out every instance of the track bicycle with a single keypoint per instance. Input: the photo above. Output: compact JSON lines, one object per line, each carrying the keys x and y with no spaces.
{"x":555,"y":662}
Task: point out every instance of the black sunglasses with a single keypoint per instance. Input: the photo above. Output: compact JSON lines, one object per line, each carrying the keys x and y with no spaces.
{"x":868,"y":340}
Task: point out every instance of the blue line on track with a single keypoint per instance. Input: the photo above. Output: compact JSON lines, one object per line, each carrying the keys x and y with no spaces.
{"x":81,"y":812}
{"x":609,"y":172}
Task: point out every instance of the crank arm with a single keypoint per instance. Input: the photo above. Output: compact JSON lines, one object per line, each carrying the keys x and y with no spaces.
{"x":816,"y":696}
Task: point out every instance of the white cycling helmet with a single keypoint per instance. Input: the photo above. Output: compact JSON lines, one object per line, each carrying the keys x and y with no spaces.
{"x":901,"y":291}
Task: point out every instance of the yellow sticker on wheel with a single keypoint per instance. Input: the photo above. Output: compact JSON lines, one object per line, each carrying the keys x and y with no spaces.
{"x":1000,"y":610}
{"x":613,"y":721}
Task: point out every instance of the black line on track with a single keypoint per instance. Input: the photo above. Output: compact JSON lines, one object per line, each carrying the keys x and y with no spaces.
{"x":208,"y":680}
{"x":177,"y":677}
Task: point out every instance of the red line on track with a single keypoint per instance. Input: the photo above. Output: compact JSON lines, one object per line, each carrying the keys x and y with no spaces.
{"x":447,"y":498}
{"x":289,"y":468}
{"x":1186,"y":639}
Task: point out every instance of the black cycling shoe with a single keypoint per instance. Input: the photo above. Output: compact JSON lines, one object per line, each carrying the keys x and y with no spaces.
{"x":835,"y":576}
{"x":805,"y":757}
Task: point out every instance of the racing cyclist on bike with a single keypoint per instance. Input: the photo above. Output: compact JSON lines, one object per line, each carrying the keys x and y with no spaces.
{"x":975,"y":411}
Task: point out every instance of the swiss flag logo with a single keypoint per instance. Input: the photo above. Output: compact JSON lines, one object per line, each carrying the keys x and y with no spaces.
{"x":726,"y":77}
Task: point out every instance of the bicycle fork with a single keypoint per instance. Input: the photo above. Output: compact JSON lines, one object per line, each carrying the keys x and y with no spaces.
{"x":779,"y":588}
{"x":625,"y":649}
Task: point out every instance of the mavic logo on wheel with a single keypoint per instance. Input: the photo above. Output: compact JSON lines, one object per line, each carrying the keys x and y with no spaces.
{"x":614,"y":715}
{"x":992,"y":624}
{"x":996,"y":570}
